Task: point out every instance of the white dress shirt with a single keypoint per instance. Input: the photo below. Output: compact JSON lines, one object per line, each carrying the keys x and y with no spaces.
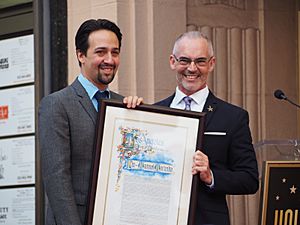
{"x":199,"y":99}
{"x":197,"y":104}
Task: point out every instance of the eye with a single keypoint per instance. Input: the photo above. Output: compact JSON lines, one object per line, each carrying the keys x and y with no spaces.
{"x":201,"y":61}
{"x":115,"y":53}
{"x":101,"y":52}
{"x":184,"y":61}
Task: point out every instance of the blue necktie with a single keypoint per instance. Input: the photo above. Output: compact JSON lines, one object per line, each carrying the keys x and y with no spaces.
{"x":101,"y":95}
{"x":187,"y":100}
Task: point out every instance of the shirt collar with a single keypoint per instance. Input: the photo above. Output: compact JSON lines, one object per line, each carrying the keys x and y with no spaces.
{"x":90,"y":88}
{"x":198,"y":97}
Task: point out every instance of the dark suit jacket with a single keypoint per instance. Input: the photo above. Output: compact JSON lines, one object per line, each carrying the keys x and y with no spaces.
{"x":67,"y":122}
{"x":231,"y":156}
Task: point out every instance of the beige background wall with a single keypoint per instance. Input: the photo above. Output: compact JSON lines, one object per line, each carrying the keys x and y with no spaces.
{"x":256,"y":46}
{"x":149,"y":28}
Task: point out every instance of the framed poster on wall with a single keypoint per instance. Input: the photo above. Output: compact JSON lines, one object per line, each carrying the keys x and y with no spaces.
{"x":17,"y":161}
{"x":16,"y":60}
{"x":17,"y":111}
{"x":17,"y":206}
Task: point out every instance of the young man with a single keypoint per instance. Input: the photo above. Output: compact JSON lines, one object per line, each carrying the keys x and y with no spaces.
{"x":227,"y":163}
{"x":67,"y":121}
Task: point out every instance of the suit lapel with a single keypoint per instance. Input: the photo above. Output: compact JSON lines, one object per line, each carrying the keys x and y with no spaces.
{"x":116,"y":96}
{"x":84,"y":100}
{"x":166,"y":102}
{"x":210,"y":107}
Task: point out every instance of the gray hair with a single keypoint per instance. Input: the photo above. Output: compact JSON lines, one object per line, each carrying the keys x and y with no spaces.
{"x":194,"y":35}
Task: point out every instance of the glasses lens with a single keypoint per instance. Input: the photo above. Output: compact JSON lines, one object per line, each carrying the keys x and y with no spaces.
{"x":200,"y":61}
{"x":184,"y":61}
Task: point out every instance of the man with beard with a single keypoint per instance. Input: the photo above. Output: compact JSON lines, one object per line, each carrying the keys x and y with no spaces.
{"x":67,"y":121}
{"x":227,"y":163}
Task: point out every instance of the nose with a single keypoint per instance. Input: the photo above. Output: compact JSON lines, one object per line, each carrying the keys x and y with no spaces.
{"x":192,"y":66}
{"x":108,"y":58}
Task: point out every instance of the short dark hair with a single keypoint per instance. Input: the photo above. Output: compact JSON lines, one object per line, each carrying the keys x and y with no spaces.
{"x":87,"y":27}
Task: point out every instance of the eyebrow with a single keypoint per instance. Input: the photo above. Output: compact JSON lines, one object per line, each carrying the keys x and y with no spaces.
{"x":105,"y":48}
{"x":202,"y":58}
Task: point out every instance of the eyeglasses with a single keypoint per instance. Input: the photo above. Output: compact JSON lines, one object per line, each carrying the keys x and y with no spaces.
{"x":199,"y":62}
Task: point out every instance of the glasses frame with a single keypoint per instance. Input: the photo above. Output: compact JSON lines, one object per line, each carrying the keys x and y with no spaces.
{"x":189,"y":61}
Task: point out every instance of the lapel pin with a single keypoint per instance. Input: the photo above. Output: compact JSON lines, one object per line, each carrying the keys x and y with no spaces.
{"x":210,"y":109}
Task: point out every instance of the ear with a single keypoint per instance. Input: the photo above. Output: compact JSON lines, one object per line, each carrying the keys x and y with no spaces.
{"x":80,"y":56}
{"x":212,"y":63}
{"x":172,"y":62}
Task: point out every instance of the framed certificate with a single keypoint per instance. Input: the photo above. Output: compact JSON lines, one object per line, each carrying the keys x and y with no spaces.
{"x":143,"y":163}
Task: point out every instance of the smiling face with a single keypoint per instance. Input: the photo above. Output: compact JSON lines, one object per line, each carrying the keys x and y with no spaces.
{"x":191,"y":77}
{"x":101,"y":61}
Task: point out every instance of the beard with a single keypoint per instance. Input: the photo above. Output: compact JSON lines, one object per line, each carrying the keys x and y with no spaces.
{"x":190,"y":87}
{"x":105,"y":78}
